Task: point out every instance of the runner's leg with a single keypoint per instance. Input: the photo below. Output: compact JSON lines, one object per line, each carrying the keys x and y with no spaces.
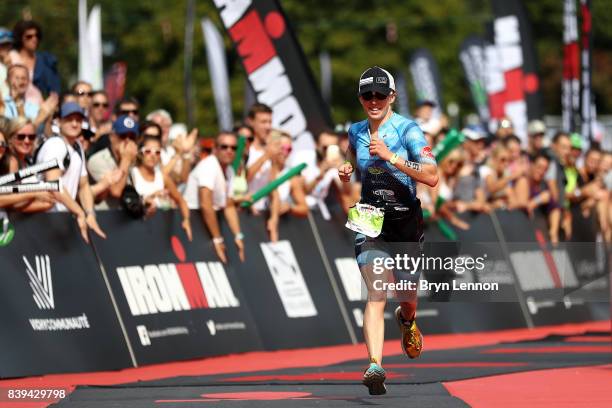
{"x":366,"y":250}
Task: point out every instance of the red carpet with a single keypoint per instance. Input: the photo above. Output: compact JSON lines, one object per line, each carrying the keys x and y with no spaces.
{"x":575,"y":387}
{"x":255,"y":361}
{"x":326,"y":356}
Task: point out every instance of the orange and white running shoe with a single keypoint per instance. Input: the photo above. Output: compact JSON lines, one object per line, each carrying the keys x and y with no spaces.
{"x":412,"y":339}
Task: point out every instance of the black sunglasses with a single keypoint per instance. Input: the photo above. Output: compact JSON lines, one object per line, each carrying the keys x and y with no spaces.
{"x":98,"y":104}
{"x":131,"y":136}
{"x":83,"y":93}
{"x":22,"y":136}
{"x":368,"y":96}
{"x":30,"y":36}
{"x":128,"y":111}
{"x":225,"y":147}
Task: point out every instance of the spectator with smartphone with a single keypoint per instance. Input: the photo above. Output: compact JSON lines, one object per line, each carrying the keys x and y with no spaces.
{"x":320,"y":178}
{"x":289,"y":197}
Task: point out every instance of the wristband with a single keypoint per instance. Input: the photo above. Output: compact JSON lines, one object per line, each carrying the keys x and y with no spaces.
{"x":218,"y":240}
{"x":239,"y":236}
{"x":394,"y":158}
{"x":90,"y":212}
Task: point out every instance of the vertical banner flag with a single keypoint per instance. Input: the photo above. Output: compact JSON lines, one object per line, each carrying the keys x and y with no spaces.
{"x":326,"y":76}
{"x":114,"y":82}
{"x":472,"y":56}
{"x":495,"y":82}
{"x":217,"y":66}
{"x":426,"y":78}
{"x":277,"y":70}
{"x":588,"y":119}
{"x":188,"y":90}
{"x":249,"y":96}
{"x":570,"y":91}
{"x":520,"y":99}
{"x":90,"y":45}
{"x":403,"y":104}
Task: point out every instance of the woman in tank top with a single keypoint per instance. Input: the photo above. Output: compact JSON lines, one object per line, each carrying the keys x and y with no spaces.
{"x":157,"y":190}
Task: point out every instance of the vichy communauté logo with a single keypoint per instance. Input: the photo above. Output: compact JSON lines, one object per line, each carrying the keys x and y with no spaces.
{"x":40,"y":281}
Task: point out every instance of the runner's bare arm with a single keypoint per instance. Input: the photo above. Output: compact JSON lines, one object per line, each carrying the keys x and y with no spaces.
{"x":421,"y":172}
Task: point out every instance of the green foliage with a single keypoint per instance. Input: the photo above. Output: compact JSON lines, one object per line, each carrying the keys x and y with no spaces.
{"x":149,"y":36}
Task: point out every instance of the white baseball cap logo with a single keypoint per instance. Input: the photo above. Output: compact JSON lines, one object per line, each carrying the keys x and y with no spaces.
{"x":128,"y":123}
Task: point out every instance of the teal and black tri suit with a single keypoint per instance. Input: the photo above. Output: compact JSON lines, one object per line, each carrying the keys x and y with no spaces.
{"x":385,"y":186}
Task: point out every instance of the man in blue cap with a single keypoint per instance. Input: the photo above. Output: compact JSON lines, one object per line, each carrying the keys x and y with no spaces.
{"x":119,"y":156}
{"x":66,"y":149}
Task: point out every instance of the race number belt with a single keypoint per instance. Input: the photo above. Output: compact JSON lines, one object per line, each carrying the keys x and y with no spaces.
{"x":366,"y":219}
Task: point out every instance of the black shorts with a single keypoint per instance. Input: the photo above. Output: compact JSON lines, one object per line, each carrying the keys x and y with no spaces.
{"x":402,"y":236}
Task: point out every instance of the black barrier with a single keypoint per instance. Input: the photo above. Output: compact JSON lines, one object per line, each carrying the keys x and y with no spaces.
{"x":468,"y":311}
{"x":589,"y":256}
{"x":176,"y":299}
{"x":57,"y":315}
{"x":169,"y":299}
{"x":544,"y":273}
{"x":286,"y":286}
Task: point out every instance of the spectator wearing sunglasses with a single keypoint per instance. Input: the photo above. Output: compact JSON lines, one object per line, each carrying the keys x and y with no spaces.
{"x":121,"y":154}
{"x":66,"y":149}
{"x":17,"y":140}
{"x":158,"y":191}
{"x":128,"y":106}
{"x":42,"y":65}
{"x":498,"y":179}
{"x":22,"y":142}
{"x":99,"y":122}
{"x":447,"y":204}
{"x":289,"y":197}
{"x":209,"y":189}
{"x":176,"y":154}
{"x":534,"y":195}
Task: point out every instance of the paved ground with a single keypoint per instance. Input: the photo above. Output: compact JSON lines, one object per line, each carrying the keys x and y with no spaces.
{"x":572,"y":368}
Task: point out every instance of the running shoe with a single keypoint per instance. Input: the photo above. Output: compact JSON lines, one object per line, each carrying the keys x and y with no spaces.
{"x":374,"y":378}
{"x":412,"y":339}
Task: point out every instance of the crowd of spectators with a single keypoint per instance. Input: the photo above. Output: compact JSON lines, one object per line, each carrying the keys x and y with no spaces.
{"x":110,"y":154}
{"x":551,"y":177}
